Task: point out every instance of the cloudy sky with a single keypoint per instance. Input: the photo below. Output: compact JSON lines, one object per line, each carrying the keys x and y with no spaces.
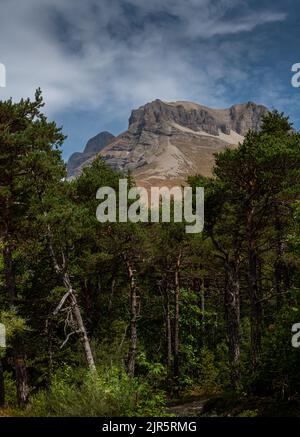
{"x":95,"y":60}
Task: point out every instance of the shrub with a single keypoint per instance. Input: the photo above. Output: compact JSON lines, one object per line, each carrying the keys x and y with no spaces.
{"x":208,"y":372}
{"x":109,"y":392}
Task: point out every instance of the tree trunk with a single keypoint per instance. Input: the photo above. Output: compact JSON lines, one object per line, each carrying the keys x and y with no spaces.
{"x":256,"y":308}
{"x":70,"y":295}
{"x":281,"y":277}
{"x":202,"y":302}
{"x":254,"y":289}
{"x":9,"y":273}
{"x":21,"y":378}
{"x":169,"y":334}
{"x":176,"y":321}
{"x":134,"y":307}
{"x":82,"y":332}
{"x":232,"y":315}
{"x":111,"y":297}
{"x":80,"y":325}
{"x":18,"y":356}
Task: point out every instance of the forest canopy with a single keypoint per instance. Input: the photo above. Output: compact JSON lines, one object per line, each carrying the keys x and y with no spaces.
{"x":121,"y":318}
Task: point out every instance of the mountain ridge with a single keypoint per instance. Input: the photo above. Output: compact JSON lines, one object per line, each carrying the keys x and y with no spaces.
{"x":92,"y":147}
{"x":167,"y":141}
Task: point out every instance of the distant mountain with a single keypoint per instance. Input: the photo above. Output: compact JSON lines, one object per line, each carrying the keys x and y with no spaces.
{"x":93,"y":146}
{"x":168,"y":141}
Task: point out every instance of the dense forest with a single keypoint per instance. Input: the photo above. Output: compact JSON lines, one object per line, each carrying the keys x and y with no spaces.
{"x":107,"y":319}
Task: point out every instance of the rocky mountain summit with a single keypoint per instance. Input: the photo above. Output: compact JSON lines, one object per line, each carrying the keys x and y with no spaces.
{"x":160,"y":115}
{"x":93,"y":146}
{"x":167,"y":141}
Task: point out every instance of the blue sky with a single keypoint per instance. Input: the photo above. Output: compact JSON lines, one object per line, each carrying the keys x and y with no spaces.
{"x":96,"y":60}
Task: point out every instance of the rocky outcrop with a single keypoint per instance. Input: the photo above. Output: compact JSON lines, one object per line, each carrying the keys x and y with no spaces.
{"x":168,"y":141}
{"x":157,"y":116}
{"x":93,"y":146}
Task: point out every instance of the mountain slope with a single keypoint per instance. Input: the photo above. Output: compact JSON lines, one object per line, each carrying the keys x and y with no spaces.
{"x":93,"y":146}
{"x":167,"y":141}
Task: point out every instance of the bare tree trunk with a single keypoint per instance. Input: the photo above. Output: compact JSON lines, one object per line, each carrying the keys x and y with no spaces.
{"x":79,"y":321}
{"x":176,"y":322}
{"x":134,"y":306}
{"x":82,"y":332}
{"x":232,"y":315}
{"x":71,"y":297}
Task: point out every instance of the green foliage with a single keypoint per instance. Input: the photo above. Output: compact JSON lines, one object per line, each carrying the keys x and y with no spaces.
{"x":236,"y":284}
{"x":15,"y":325}
{"x":10,"y":390}
{"x":108,"y":393}
{"x":208,"y":372}
{"x":154,"y":371}
{"x":278,"y":371}
{"x":248,"y":413}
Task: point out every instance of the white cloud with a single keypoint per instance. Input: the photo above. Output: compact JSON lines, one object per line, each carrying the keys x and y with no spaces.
{"x":89,"y":54}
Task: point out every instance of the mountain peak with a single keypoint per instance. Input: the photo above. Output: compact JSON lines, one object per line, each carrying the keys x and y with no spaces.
{"x":158,"y":115}
{"x":168,"y":141}
{"x":93,"y":146}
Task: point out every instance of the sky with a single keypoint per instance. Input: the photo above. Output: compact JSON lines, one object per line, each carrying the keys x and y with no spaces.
{"x":96,"y":60}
